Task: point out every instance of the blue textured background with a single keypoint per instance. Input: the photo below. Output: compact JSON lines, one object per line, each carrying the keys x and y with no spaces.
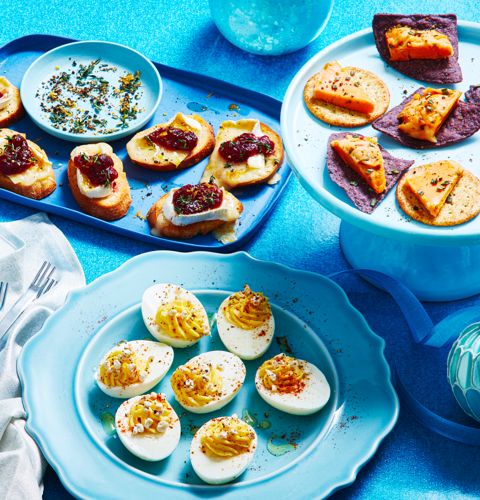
{"x":413,"y":462}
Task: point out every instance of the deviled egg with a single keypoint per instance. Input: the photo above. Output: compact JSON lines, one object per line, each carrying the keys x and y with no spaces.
{"x":134,"y":367}
{"x":222,"y":449}
{"x":245,"y":324}
{"x":148,"y":426}
{"x":174,"y":315}
{"x":208,"y":381}
{"x":292,"y":385}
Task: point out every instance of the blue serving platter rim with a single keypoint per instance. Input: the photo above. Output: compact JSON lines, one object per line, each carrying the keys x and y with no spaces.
{"x":262,"y":102}
{"x":416,"y":235}
{"x":142,"y":121}
{"x":26,"y":369}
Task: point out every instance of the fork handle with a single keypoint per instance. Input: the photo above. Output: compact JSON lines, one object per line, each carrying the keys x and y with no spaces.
{"x":16,"y":311}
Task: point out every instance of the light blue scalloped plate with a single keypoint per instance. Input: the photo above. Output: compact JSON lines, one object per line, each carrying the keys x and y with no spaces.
{"x":314,"y":319}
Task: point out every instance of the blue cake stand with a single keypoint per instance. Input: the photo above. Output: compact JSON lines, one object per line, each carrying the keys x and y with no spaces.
{"x":436,"y":263}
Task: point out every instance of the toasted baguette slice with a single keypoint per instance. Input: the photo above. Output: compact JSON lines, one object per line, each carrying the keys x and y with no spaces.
{"x":14,"y":110}
{"x":146,"y":155}
{"x":162,"y":227}
{"x":111,"y":207}
{"x":238,"y":175}
{"x":38,"y":181}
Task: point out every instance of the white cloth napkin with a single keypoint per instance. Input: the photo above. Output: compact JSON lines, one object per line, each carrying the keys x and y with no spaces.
{"x":24,"y":246}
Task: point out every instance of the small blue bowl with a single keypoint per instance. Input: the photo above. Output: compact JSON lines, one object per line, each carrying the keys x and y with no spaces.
{"x":124,"y":59}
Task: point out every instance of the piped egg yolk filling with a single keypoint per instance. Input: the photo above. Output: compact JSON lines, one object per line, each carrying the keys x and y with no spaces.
{"x":123,"y":367}
{"x":284,"y":374}
{"x":180,"y":319}
{"x":197,"y":384}
{"x":227,"y":438}
{"x":151,"y":414}
{"x":247,"y":309}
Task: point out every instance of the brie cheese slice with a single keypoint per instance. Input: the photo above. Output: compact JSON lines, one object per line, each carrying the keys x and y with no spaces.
{"x":83,"y":182}
{"x":226,"y":211}
{"x":37,"y":172}
{"x":7,"y":91}
{"x":161,"y":156}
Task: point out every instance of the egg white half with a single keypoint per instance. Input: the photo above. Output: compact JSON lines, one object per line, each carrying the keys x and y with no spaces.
{"x":233,"y":375}
{"x":311,"y":399}
{"x":217,"y":470}
{"x":246,"y":344}
{"x":162,"y":360}
{"x":151,"y":447}
{"x":162,"y":293}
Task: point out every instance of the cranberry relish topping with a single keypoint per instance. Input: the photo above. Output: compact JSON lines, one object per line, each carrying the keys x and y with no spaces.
{"x":196,"y":199}
{"x":173,"y":138}
{"x":16,"y":157}
{"x":244,"y":146}
{"x":98,"y":168}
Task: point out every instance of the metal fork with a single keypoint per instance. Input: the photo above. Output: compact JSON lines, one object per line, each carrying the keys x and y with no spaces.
{"x":3,"y":293}
{"x":41,"y":284}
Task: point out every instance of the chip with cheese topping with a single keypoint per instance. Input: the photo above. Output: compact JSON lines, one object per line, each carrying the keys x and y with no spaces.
{"x":433,"y":183}
{"x":423,"y":116}
{"x":363,"y":155}
{"x":405,"y":43}
{"x":341,"y":88}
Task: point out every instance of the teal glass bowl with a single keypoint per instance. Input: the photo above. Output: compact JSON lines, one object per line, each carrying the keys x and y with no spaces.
{"x":271,"y":27}
{"x":463,"y":370}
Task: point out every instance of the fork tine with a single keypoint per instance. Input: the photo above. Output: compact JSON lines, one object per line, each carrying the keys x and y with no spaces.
{"x":3,"y":288}
{"x":51,"y":284}
{"x":44,"y":283}
{"x":39,"y":272}
{"x":41,"y":280}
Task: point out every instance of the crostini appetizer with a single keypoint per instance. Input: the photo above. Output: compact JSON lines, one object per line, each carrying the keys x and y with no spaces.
{"x":246,"y":152}
{"x":182,"y":142}
{"x":11,"y":108}
{"x":346,"y":97}
{"x":24,"y":168}
{"x":193,"y":209}
{"x":98,"y":182}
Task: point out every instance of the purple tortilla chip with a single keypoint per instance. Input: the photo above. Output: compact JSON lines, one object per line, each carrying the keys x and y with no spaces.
{"x":460,"y":124}
{"x":362,"y":194}
{"x":473,"y":95}
{"x":445,"y":70}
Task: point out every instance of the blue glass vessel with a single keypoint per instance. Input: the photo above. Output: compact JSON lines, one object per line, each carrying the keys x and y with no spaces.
{"x":270,"y":27}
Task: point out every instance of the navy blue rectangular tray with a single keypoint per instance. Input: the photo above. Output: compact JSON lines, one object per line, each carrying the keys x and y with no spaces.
{"x":183,"y":91}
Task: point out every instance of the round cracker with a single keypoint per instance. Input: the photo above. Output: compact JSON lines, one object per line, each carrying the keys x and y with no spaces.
{"x":335,"y":115}
{"x":465,"y":202}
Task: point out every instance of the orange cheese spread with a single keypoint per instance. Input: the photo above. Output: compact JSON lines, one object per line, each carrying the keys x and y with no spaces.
{"x":433,"y":183}
{"x":340,"y":87}
{"x":422,"y":117}
{"x":405,"y":43}
{"x":364,"y":156}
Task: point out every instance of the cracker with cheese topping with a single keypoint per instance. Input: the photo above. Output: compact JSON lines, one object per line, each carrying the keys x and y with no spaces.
{"x":346,"y":97}
{"x":439,"y":194}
